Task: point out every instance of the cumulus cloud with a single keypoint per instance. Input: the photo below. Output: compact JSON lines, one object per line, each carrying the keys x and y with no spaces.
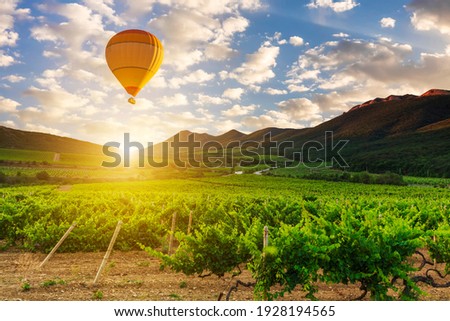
{"x":8,"y":105}
{"x":350,"y":70}
{"x":296,"y":88}
{"x":197,"y":77}
{"x":238,"y":110}
{"x":258,"y":66}
{"x":226,"y":125}
{"x":301,"y":109}
{"x":341,"y":35}
{"x":233,"y":93}
{"x":273,"y":91}
{"x":14,"y":78}
{"x":387,"y":22}
{"x":207,"y":30}
{"x":78,"y":40}
{"x":336,"y":6}
{"x":9,"y":123}
{"x":204,"y":6}
{"x":82,"y":24}
{"x":104,"y":7}
{"x":8,"y":13}
{"x":431,"y":15}
{"x":271,"y":118}
{"x":5,"y":59}
{"x":57,"y":102}
{"x":296,"y":41}
{"x":175,"y":100}
{"x":205,"y":100}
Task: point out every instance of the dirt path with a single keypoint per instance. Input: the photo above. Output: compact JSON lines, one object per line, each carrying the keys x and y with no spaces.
{"x":131,"y":276}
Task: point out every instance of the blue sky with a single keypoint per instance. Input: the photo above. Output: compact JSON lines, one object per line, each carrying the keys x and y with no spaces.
{"x":231,"y":64}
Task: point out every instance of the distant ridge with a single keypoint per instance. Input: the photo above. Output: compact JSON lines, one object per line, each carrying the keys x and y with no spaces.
{"x":405,"y":134}
{"x":436,"y":92}
{"x":20,"y":139}
{"x":431,"y":92}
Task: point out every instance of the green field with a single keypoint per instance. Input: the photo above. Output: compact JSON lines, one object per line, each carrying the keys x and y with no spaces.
{"x":33,"y":157}
{"x":319,"y":230}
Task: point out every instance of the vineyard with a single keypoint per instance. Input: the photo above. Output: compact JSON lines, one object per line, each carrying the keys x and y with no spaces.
{"x":334,"y":233}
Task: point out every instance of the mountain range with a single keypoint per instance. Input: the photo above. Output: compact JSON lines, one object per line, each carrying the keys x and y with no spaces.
{"x":405,"y":134}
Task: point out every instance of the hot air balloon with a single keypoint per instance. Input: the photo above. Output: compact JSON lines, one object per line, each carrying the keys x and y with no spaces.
{"x":134,"y":56}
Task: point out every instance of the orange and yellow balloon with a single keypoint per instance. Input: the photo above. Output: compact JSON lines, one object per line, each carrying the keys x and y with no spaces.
{"x":134,"y":56}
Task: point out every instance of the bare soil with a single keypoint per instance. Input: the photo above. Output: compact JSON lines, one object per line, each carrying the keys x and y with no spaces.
{"x":136,"y":276}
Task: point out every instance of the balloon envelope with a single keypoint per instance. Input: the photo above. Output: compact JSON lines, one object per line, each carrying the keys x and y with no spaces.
{"x":134,"y":56}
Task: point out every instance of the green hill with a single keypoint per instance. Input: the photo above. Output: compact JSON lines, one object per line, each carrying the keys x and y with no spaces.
{"x":24,"y":140}
{"x":402,"y":134}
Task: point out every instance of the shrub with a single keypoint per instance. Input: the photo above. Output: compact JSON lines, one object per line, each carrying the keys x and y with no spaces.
{"x":44,"y":176}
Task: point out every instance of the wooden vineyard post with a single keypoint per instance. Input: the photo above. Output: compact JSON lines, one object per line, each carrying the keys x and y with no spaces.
{"x":265,"y":244}
{"x":172,"y":232}
{"x":434,"y":240}
{"x":108,"y":252}
{"x":266,"y":237}
{"x":190,"y":223}
{"x":58,"y":244}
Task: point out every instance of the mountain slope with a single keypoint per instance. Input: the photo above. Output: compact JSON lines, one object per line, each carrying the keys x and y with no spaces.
{"x":19,"y":139}
{"x":407,"y":134}
{"x":404,"y":134}
{"x":387,"y":118}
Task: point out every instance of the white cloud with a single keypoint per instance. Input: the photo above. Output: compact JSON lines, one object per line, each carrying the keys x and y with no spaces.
{"x":57,"y":101}
{"x":207,"y":31}
{"x":8,"y":105}
{"x":296,"y":41}
{"x":341,"y":35}
{"x":351,"y":70}
{"x":203,"y":100}
{"x":196,"y":30}
{"x":50,"y":54}
{"x":336,"y":6}
{"x":431,"y":15}
{"x":8,"y":13}
{"x":179,"y":121}
{"x":219,"y":52}
{"x":197,"y":77}
{"x":81,"y":25}
{"x":270,"y":119}
{"x":233,"y":93}
{"x":232,"y":25}
{"x":273,"y":91}
{"x":238,"y":110}
{"x":175,"y":100}
{"x":9,"y":123}
{"x":6,"y":60}
{"x":300,"y":109}
{"x":14,"y":78}
{"x":276,"y":38}
{"x":225,"y":125}
{"x":8,"y":38}
{"x":258,"y":66}
{"x":204,"y":6}
{"x":205,"y":113}
{"x":297,"y":89}
{"x":78,"y":40}
{"x":104,"y":8}
{"x":387,"y":22}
